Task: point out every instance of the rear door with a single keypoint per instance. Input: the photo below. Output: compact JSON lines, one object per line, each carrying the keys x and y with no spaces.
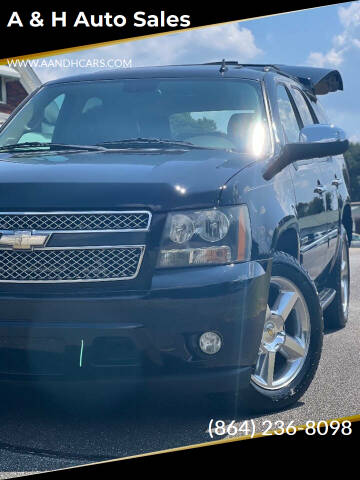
{"x":334,"y":167}
{"x":310,"y":204}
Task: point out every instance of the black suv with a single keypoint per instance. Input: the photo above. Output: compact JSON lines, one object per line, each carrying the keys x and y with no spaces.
{"x":183,"y":226}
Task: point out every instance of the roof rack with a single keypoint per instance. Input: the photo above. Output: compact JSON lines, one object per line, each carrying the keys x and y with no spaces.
{"x":228,"y":62}
{"x":317,"y":81}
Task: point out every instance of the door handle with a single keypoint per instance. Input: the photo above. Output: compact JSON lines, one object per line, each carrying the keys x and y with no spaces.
{"x":319,"y":189}
{"x":336,"y":182}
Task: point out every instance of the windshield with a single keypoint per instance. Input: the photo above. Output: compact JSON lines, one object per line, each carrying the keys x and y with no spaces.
{"x":219,"y":113}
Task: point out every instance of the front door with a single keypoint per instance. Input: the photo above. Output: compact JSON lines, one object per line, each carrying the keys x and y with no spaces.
{"x":309,"y":190}
{"x":310,"y":207}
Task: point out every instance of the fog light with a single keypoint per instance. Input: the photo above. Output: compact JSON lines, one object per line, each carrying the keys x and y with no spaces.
{"x":210,"y":342}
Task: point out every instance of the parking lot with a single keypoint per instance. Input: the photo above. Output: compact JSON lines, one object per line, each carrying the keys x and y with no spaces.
{"x":37,"y":435}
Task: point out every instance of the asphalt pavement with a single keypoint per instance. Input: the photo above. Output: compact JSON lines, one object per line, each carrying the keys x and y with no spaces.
{"x":39,"y":433}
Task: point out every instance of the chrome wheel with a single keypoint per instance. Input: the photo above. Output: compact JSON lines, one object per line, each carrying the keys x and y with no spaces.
{"x":286,"y":336}
{"x":344,"y":278}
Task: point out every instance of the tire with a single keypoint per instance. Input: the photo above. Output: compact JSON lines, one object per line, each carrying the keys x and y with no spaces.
{"x":337,"y":313}
{"x":292,"y":346}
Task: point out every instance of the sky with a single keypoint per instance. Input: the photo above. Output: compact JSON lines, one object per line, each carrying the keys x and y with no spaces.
{"x":325,"y":37}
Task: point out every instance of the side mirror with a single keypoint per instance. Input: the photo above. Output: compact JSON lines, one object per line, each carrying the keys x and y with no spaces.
{"x":315,"y":141}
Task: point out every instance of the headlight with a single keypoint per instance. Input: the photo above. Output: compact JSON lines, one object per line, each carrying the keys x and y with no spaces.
{"x":206,"y":237}
{"x":182,"y":228}
{"x":213,"y":225}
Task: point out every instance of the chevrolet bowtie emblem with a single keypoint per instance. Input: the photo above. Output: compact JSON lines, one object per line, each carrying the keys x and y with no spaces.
{"x":23,"y":240}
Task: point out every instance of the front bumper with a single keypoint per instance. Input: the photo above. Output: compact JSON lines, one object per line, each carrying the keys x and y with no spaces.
{"x":144,"y":337}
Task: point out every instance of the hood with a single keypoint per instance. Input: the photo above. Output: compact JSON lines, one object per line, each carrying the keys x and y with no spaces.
{"x":159,"y":180}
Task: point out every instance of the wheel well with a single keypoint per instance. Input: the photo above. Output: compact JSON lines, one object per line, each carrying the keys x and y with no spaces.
{"x":288,"y":242}
{"x":347,"y":221}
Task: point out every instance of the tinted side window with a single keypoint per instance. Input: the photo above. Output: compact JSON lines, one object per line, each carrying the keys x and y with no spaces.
{"x":302,"y":106}
{"x":287,"y":115}
{"x":320,"y":112}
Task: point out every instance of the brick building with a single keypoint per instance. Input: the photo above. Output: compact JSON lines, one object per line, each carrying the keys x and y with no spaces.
{"x":15,"y":84}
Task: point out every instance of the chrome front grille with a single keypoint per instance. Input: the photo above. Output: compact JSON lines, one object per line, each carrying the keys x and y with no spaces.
{"x":77,"y":221}
{"x":71,"y":264}
{"x":34,"y":246}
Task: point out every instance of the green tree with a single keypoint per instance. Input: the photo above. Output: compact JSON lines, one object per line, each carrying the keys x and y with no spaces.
{"x":352,"y":157}
{"x":183,"y":124}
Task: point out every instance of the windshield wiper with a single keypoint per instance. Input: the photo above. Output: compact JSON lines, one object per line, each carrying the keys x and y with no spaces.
{"x":41,"y":145}
{"x":150,"y":142}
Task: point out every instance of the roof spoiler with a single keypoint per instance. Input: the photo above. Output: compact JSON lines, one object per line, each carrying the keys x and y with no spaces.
{"x":320,"y":80}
